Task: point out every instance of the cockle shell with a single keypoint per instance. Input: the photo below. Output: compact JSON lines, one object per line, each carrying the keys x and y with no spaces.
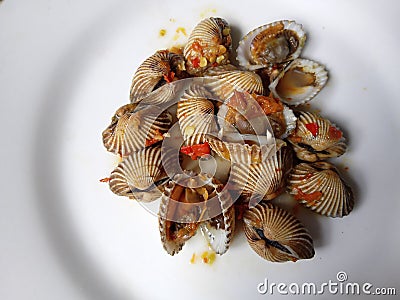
{"x":283,"y":124}
{"x":238,"y":152}
{"x":320,"y":187}
{"x":276,"y":235}
{"x":188,"y":203}
{"x":219,"y":230}
{"x":266,"y":179}
{"x":155,"y":71}
{"x":140,"y":175}
{"x":242,"y":114}
{"x":164,"y":96}
{"x":196,"y":115}
{"x":316,"y":138}
{"x":281,"y":117}
{"x":299,"y":82}
{"x":208,"y":45}
{"x":270,"y":44}
{"x":224,"y":80}
{"x":132,"y":129}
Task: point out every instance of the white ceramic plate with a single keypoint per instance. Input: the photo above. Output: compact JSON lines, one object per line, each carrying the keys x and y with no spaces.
{"x":65,"y":66}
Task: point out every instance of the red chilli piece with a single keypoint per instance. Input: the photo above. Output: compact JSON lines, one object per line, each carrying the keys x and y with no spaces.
{"x":313,"y":128}
{"x":334,"y":133}
{"x":196,"y":62}
{"x":196,"y":151}
{"x":169,"y":77}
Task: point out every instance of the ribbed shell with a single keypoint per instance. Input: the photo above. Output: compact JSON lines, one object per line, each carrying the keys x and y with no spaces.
{"x":140,"y":171}
{"x":241,"y":153}
{"x":263,"y":180}
{"x":276,"y":235}
{"x":225,"y":79}
{"x":299,"y":82}
{"x":151,"y":73}
{"x":204,"y":42}
{"x":290,"y":120}
{"x":164,"y":96}
{"x":270,"y":44}
{"x":170,"y":245}
{"x":217,"y":234}
{"x":196,"y":115}
{"x":128,"y":133}
{"x":219,"y":230}
{"x":320,"y":140}
{"x":320,"y":187}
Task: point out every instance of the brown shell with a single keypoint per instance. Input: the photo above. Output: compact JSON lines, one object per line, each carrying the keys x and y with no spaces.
{"x":316,"y":138}
{"x":270,"y":44}
{"x":186,"y":205}
{"x":196,"y":115}
{"x":264,"y":180}
{"x":132,"y":129}
{"x":223,"y":80}
{"x":208,"y":45}
{"x":155,"y":71}
{"x":276,"y":235}
{"x":241,"y":152}
{"x":141,"y":175}
{"x":320,"y":187}
{"x":299,"y":82}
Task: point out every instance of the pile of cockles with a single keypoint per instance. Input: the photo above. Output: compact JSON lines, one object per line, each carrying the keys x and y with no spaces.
{"x":215,"y":140}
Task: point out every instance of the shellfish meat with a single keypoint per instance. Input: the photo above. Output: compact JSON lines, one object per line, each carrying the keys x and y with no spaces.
{"x":189,"y":202}
{"x":270,"y":44}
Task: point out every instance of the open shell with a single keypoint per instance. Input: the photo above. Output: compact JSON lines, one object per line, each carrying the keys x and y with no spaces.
{"x":264,"y":180}
{"x":208,"y":45}
{"x":132,"y":129}
{"x":219,"y":230}
{"x":188,"y":203}
{"x":155,"y":71}
{"x":281,"y":117}
{"x":270,"y":44}
{"x":196,"y":115}
{"x":140,"y":175}
{"x":316,"y":138}
{"x":299,"y":82}
{"x":225,"y":79}
{"x":276,"y":235}
{"x":320,"y":187}
{"x":242,"y":114}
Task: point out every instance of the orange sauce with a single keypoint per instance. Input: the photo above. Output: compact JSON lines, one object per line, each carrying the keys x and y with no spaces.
{"x":193,"y":258}
{"x":181,"y":30}
{"x":208,"y":257}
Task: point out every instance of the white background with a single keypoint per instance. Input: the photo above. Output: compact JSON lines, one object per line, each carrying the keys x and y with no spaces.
{"x":65,"y":66}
